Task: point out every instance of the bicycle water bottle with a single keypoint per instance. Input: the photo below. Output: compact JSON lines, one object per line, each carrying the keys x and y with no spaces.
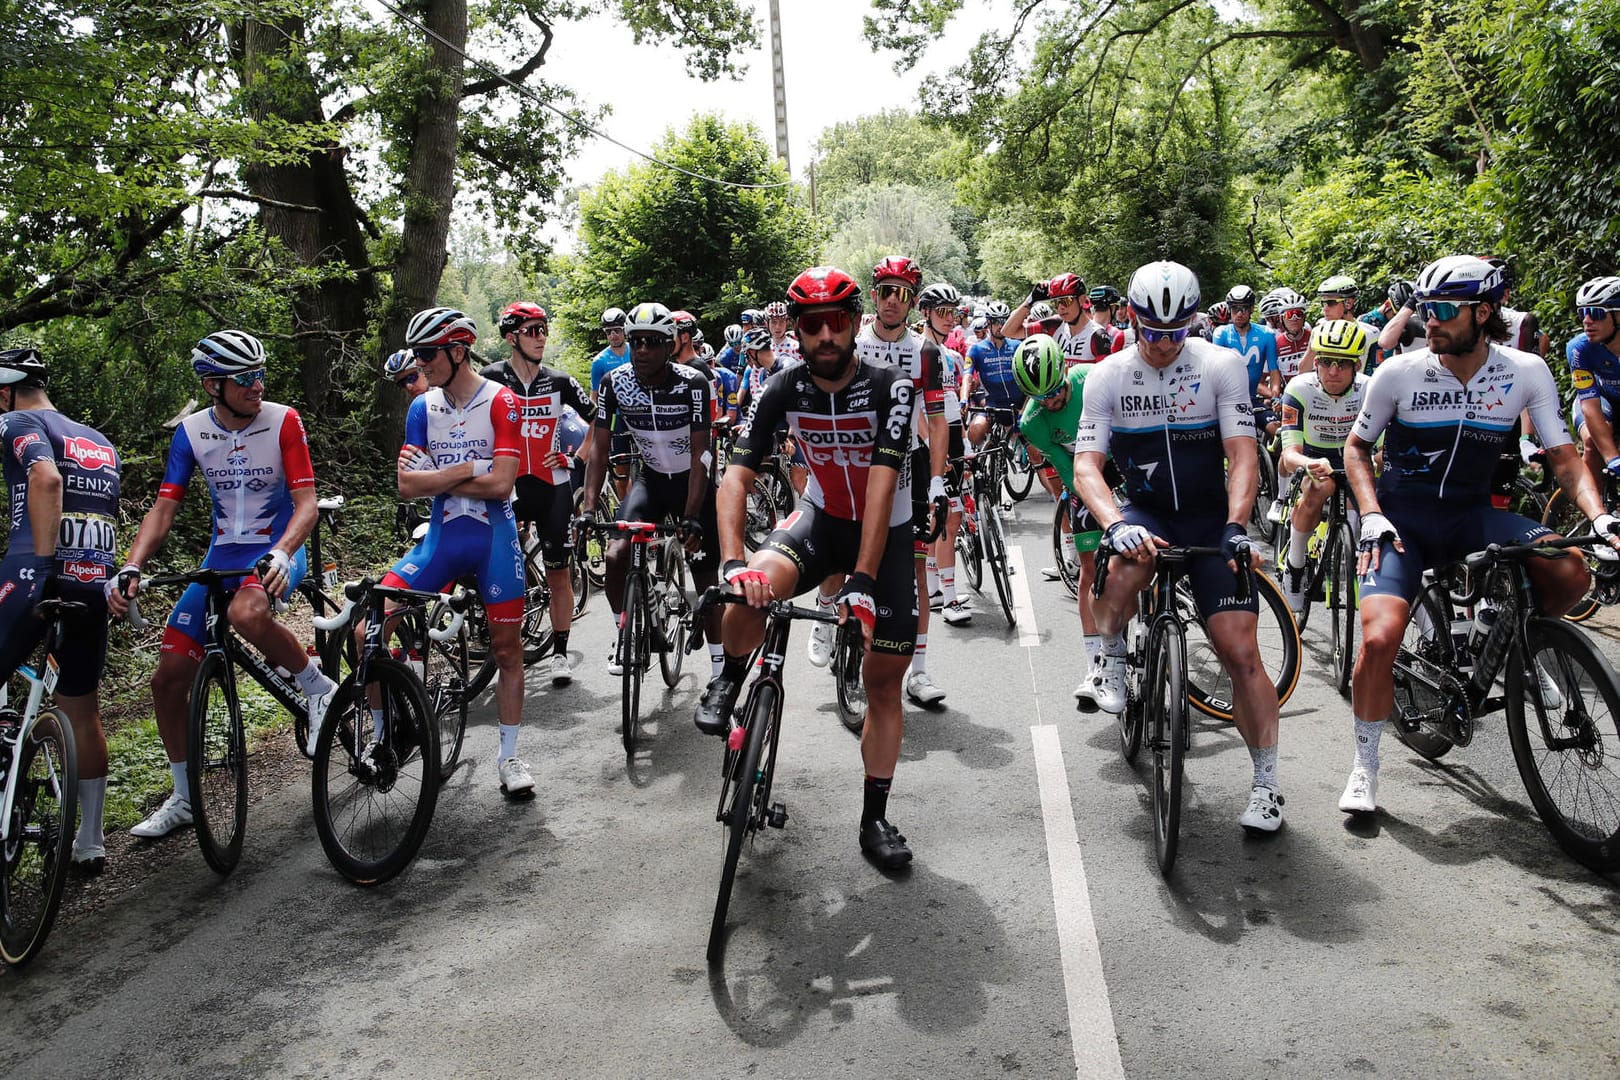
{"x":1462,"y":643}
{"x":1491,"y":644}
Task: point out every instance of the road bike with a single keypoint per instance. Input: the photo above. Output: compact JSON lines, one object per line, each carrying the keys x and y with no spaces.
{"x":1562,"y":516}
{"x":1329,"y":574}
{"x":982,"y":539}
{"x":39,"y":804}
{"x":848,"y":651}
{"x":1561,"y":698}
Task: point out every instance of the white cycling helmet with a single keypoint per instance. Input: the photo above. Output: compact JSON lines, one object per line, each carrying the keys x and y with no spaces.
{"x":651,"y":318}
{"x":1602,"y":292}
{"x":228,"y":352}
{"x":440,"y":326}
{"x":1164,"y":293}
{"x":1460,"y":277}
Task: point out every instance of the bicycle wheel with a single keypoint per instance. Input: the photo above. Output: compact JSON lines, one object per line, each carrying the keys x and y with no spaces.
{"x":1265,"y":494}
{"x":536,"y":630}
{"x":1130,"y":718}
{"x":580,"y":581}
{"x":669,"y":611}
{"x":970,"y":553}
{"x":592,"y":554}
{"x":739,"y":803}
{"x":1165,"y":711}
{"x":1567,"y":744}
{"x":1341,"y":605}
{"x":847,"y":653}
{"x":444,"y":678}
{"x":1063,"y":549}
{"x":633,"y":658}
{"x":995,"y":553}
{"x":44,"y":811}
{"x":1563,"y":517}
{"x":771,"y":493}
{"x":216,"y":756}
{"x":1426,"y":648}
{"x":1208,"y":686}
{"x":481,"y":667}
{"x":1018,"y":476}
{"x":376,"y":781}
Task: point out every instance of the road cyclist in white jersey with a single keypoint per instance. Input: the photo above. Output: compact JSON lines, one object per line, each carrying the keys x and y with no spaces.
{"x":1174,"y":410}
{"x":1444,"y":414}
{"x":254,"y":456}
{"x":783,"y":343}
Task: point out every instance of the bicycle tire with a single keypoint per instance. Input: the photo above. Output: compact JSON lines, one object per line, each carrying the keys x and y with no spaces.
{"x":847,"y":654}
{"x":1426,"y":639}
{"x":536,"y":630}
{"x":216,"y":760}
{"x":670,"y":611}
{"x":444,"y":678}
{"x":1209,"y":688}
{"x":1018,"y":475}
{"x":1265,"y":494}
{"x":481,"y":666}
{"x":1063,"y":549}
{"x":1130,"y":719}
{"x":1574,"y":788}
{"x":580,"y":582}
{"x":1342,"y":605}
{"x":970,"y":553}
{"x":995,"y":554}
{"x":374,"y":797}
{"x":1165,"y":709}
{"x":592,"y":553}
{"x":1563,"y":517}
{"x":632,"y":658}
{"x":740,"y":815}
{"x":44,"y":810}
{"x":764,"y":508}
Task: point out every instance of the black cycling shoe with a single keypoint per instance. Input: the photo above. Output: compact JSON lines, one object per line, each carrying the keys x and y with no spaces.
{"x":884,"y":845}
{"x":713,"y":716}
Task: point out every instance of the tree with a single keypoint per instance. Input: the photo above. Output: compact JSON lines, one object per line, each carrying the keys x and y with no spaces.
{"x":888,"y":219}
{"x":653,"y":233}
{"x":892,"y":147}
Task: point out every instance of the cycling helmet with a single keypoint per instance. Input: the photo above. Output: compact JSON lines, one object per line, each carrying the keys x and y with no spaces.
{"x":897,"y":268}
{"x":650,"y":318}
{"x":980,"y":325}
{"x":1040,"y":311}
{"x":964,"y":309}
{"x":1066,"y":285}
{"x":1164,"y":293}
{"x":733,"y":335}
{"x":1218,"y":313}
{"x":227,"y":352}
{"x":1502,"y":265}
{"x":1460,"y":277}
{"x":1038,"y":366}
{"x":440,"y":326}
{"x":1270,"y":306}
{"x":613,"y":319}
{"x":776,"y":309}
{"x":23,"y":367}
{"x":397,"y":363}
{"x":939,"y":294}
{"x":820,"y":286}
{"x":1341,"y":339}
{"x":756,"y":338}
{"x":1338,"y":287}
{"x":996,"y":311}
{"x":1600,"y":292}
{"x":1106,"y":295}
{"x":1289,"y":299}
{"x":705,"y":352}
{"x":751,"y":317}
{"x":519,"y":312}
{"x":1240,"y":296}
{"x":685,"y":323}
{"x":698,"y":339}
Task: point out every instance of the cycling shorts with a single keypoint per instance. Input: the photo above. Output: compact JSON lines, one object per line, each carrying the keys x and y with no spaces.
{"x":1087,"y":534}
{"x":461,"y":547}
{"x":186,"y":631}
{"x":551,"y":508}
{"x":820,"y":545}
{"x":1577,"y":418}
{"x":620,"y":443}
{"x":1435,"y":534}
{"x":79,"y":667}
{"x":653,"y":496}
{"x":1214,"y":585}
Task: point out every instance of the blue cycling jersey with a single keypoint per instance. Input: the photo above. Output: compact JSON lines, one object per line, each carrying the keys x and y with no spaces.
{"x":728,"y":358}
{"x":726,"y":384}
{"x":606,"y":361}
{"x":1594,"y":370}
{"x":1258,"y":348}
{"x":992,"y":364}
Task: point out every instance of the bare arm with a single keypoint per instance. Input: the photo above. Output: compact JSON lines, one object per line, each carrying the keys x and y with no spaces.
{"x":44,"y":505}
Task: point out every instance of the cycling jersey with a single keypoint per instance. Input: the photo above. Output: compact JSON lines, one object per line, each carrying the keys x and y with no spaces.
{"x":1053,"y":431}
{"x":1522,"y":333}
{"x":1594,"y":371}
{"x":1315,"y":420}
{"x":952,"y":370}
{"x":1291,"y":351}
{"x":485,"y":428}
{"x":957,"y":341}
{"x":992,"y":366}
{"x":1078,"y":345}
{"x":786,"y":348}
{"x":660,"y":419}
{"x":541,"y":403}
{"x":729,"y":358}
{"x":1442,"y":440}
{"x":1166,"y":426}
{"x":251,"y":473}
{"x":1257,"y":347}
{"x":726,"y":384}
{"x":921,"y":361}
{"x":844,"y":434}
{"x":85,"y":541}
{"x":606,"y":361}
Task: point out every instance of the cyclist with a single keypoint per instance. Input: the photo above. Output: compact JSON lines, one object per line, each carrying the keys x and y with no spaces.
{"x":1318,"y":408}
{"x":1594,"y":371}
{"x":1445,"y":414}
{"x":1180,"y":491}
{"x":400,"y":369}
{"x":783,"y":343}
{"x":1270,"y":310}
{"x":1293,"y":334}
{"x":1050,"y":421}
{"x":1524,"y":329}
{"x":615,"y":354}
{"x":254,"y":456}
{"x":544,"y":491}
{"x":991,"y":364}
{"x":1040,"y":320}
{"x":667,"y":408}
{"x":1258,"y":347}
{"x":1108,"y":338}
{"x":1402,"y":330}
{"x":63,"y":478}
{"x":853,"y":520}
{"x":760,"y":359}
{"x":730,"y":357}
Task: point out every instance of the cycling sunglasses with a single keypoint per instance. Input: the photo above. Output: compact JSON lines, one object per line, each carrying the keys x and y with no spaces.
{"x":1163,"y":333}
{"x":1443,"y":310}
{"x":889,"y":291}
{"x":533,"y":330}
{"x":812,"y":323}
{"x":408,"y":379}
{"x":647,"y":341}
{"x":248,"y":378}
{"x":425,"y":353}
{"x":1335,"y":361}
{"x":1594,"y":312}
{"x":1294,"y":313}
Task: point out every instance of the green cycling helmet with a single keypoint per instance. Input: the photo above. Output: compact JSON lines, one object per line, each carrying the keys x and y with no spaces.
{"x":1038,"y":365}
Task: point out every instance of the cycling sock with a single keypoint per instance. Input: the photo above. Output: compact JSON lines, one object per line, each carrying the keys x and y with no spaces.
{"x":311,"y":681}
{"x":1367,"y":736}
{"x":1265,"y":766}
{"x":876,"y":803}
{"x":92,"y":797}
{"x":919,"y":655}
{"x":1093,"y":646}
{"x":825,"y":602}
{"x":1297,"y":542}
{"x":936,"y":577}
{"x":508,"y":741}
{"x":947,"y":583}
{"x":1113,"y":646}
{"x":182,"y":786}
{"x":559,"y":642}
{"x":736,"y":667}
{"x":717,"y":659}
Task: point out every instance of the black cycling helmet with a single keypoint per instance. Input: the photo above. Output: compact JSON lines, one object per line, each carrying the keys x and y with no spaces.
{"x":23,"y":367}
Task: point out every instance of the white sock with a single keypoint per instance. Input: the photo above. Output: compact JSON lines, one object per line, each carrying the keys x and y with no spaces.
{"x":182,"y":785}
{"x":1093,"y":647}
{"x":825,"y":602}
{"x":717,"y":659}
{"x":919,"y":655}
{"x":311,"y":681}
{"x":1297,"y":542}
{"x":1367,"y":736}
{"x":1265,"y":766}
{"x":1113,"y":646}
{"x":936,"y":578}
{"x":508,"y":741}
{"x":92,"y":797}
{"x":947,"y":583}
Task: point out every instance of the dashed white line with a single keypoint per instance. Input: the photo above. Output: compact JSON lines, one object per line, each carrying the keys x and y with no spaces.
{"x":1091,"y":1017}
{"x":1023,"y":604}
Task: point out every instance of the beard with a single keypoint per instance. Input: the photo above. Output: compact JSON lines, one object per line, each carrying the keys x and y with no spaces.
{"x":1455,"y":345}
{"x":830,"y":362}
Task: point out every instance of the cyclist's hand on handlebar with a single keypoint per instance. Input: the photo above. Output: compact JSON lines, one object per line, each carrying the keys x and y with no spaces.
{"x":1134,"y":542}
{"x":749,"y":582}
{"x":275,"y":573}
{"x":1375,"y":529}
{"x":1319,"y":468}
{"x":855,"y":598}
{"x":120,"y":587}
{"x":1608,"y":527}
{"x":1235,"y":541}
{"x":939,"y":502}
{"x":690,"y":530}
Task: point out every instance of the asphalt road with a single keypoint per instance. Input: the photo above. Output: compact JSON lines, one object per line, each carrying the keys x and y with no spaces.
{"x":565,"y":936}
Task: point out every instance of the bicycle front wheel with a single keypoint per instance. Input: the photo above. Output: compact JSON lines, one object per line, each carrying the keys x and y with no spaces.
{"x":739,"y":804}
{"x":1019,"y":476}
{"x":1563,"y":706}
{"x":670,"y":612}
{"x":216,"y":755}
{"x":633,"y":659}
{"x":1208,"y":685}
{"x":445,"y":681}
{"x":1341,"y":605}
{"x":970,"y":553}
{"x":536,"y":630}
{"x":1063,"y":550}
{"x":1165,"y":712}
{"x":376,"y":779}
{"x":847,"y":655}
{"x":1426,"y":650}
{"x":39,"y":846}
{"x":995,"y":553}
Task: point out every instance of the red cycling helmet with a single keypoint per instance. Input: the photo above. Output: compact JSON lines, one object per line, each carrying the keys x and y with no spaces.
{"x":685,"y":322}
{"x":519,"y":312}
{"x":1066,"y":285}
{"x":820,"y":286}
{"x":897,"y":268}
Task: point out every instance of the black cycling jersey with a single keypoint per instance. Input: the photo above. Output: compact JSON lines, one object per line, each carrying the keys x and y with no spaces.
{"x":660,"y":419}
{"x":541,"y":404}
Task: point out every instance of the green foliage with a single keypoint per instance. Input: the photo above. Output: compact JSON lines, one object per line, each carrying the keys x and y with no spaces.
{"x":892,"y":147}
{"x":882,"y":219}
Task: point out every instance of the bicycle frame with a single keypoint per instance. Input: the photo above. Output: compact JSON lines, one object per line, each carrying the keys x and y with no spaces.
{"x":39,"y":685}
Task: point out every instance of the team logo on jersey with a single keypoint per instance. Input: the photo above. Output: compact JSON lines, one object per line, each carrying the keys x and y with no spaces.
{"x":1581,"y":378}
{"x":89,"y":453}
{"x":84,"y":571}
{"x":237,"y":458}
{"x":23,"y":442}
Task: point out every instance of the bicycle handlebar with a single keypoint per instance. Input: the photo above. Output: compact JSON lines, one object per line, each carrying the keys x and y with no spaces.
{"x":1176,"y":555}
{"x":203,"y":576}
{"x":1479,"y":563}
{"x":714,"y":596}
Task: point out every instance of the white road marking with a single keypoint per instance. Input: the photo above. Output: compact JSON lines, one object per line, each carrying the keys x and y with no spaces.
{"x":1091,"y":1018}
{"x":1023,"y":605}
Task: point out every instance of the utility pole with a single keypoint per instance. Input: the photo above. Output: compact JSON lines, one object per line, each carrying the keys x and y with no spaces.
{"x":781,"y":85}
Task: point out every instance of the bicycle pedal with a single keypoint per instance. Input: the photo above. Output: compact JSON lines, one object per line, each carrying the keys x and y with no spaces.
{"x":776,"y":817}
